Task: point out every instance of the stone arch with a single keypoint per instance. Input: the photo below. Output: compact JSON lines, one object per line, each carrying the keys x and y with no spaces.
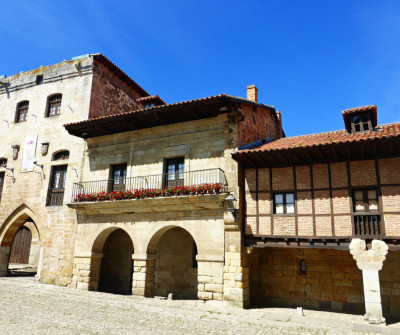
{"x":111,"y":262}
{"x":156,"y":236}
{"x":175,"y":268}
{"x":18,"y":217}
{"x":15,"y":220}
{"x":62,"y":154}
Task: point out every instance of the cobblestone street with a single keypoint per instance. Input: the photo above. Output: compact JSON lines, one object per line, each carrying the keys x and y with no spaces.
{"x":32,"y":308}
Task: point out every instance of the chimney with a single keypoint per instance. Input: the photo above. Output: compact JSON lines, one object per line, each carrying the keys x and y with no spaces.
{"x":252,"y":93}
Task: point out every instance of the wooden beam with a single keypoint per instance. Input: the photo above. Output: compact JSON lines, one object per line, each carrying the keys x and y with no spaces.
{"x":282,"y":157}
{"x":193,"y":111}
{"x":159,"y":118}
{"x":334,"y":153}
{"x":129,"y":124}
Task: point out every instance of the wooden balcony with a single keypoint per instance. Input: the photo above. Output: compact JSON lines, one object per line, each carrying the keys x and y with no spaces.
{"x":367,"y":224}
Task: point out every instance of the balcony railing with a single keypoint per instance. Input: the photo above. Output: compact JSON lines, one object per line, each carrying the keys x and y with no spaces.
{"x":55,"y":197}
{"x":367,"y":224}
{"x":152,"y":182}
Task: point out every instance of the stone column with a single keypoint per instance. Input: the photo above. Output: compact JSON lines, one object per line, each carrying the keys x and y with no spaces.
{"x":143,"y":275}
{"x":40,"y":263}
{"x":370,"y":262}
{"x":4,"y":257}
{"x":210,"y":277}
{"x":236,"y":271}
{"x":86,"y":271}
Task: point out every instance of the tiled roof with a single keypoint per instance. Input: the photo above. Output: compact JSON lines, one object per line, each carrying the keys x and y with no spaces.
{"x":328,"y":138}
{"x":163,"y":107}
{"x":150,"y":98}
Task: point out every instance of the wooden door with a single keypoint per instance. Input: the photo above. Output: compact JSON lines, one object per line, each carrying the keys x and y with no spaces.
{"x":119,"y":177}
{"x":21,"y":246}
{"x":55,"y":195}
{"x":1,"y":183}
{"x":175,"y":169}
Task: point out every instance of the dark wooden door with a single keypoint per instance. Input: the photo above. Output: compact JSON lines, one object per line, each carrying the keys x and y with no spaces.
{"x":1,"y":183}
{"x":55,"y":196}
{"x":118,"y":177}
{"x":21,"y":246}
{"x":175,"y":169}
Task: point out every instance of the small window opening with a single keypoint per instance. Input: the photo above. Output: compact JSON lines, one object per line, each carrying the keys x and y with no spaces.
{"x":39,"y":80}
{"x":54,"y":105}
{"x":3,"y":162}
{"x":61,"y":155}
{"x":361,"y":123}
{"x":303,"y":268}
{"x":150,"y":104}
{"x":22,"y":111}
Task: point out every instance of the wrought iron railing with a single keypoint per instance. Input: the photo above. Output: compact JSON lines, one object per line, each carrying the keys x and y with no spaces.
{"x":367,"y":224}
{"x":161,"y":181}
{"x":55,"y":197}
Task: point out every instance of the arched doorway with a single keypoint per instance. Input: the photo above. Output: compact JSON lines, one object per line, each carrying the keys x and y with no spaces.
{"x":116,"y":264}
{"x":24,"y":251}
{"x":176,"y":265}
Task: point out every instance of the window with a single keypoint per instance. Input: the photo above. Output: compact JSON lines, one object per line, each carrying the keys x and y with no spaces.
{"x":61,"y":155}
{"x":54,"y":105}
{"x":284,"y":203}
{"x":39,"y":80}
{"x":118,"y":177}
{"x":55,"y":195}
{"x":22,"y":111}
{"x":3,"y":162}
{"x":1,"y":183}
{"x":150,"y":104}
{"x":174,"y":172}
{"x":361,"y":123}
{"x":365,"y":200}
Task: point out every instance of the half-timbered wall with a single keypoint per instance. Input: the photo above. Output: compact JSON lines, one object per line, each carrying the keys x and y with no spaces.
{"x":323,"y":198}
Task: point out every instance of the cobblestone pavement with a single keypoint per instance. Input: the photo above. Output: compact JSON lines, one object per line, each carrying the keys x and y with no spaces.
{"x":28,"y":307}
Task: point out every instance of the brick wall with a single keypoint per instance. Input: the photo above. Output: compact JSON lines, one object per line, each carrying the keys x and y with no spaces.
{"x":332,"y":280}
{"x":331,"y":215}
{"x":110,"y":95}
{"x":256,"y":123}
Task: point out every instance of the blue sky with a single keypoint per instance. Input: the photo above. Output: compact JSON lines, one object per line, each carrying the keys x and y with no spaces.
{"x":310,"y":59}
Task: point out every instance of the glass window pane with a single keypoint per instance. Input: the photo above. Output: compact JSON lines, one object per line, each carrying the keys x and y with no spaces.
{"x":279,"y":209}
{"x":290,"y":208}
{"x":290,"y":198}
{"x":371,"y":194}
{"x":279,"y":198}
{"x":359,"y":206}
{"x":358,"y":195}
{"x":373,"y":205}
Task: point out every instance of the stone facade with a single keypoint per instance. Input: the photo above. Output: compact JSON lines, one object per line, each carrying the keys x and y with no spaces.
{"x":25,"y":194}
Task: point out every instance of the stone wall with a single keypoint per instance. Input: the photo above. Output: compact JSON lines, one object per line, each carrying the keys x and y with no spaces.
{"x":176,"y":265}
{"x":332,"y":280}
{"x":390,"y":285}
{"x":24,"y":194}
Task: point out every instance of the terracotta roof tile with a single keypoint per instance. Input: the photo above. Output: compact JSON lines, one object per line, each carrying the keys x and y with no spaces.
{"x":328,"y":138}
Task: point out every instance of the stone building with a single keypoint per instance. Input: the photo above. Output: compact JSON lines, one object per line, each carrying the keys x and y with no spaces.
{"x":40,"y":161}
{"x":173,"y":236}
{"x":130,"y":196}
{"x":321,"y":217}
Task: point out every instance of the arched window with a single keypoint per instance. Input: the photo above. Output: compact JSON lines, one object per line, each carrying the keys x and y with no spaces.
{"x":60,"y":155}
{"x":54,"y":105}
{"x":22,"y":111}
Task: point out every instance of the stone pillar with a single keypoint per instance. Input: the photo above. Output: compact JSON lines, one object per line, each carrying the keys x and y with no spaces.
{"x":370,"y":262}
{"x":86,"y":271}
{"x":4,"y":257}
{"x":210,"y":277}
{"x":236,"y":271}
{"x":143,"y":275}
{"x":40,"y":263}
